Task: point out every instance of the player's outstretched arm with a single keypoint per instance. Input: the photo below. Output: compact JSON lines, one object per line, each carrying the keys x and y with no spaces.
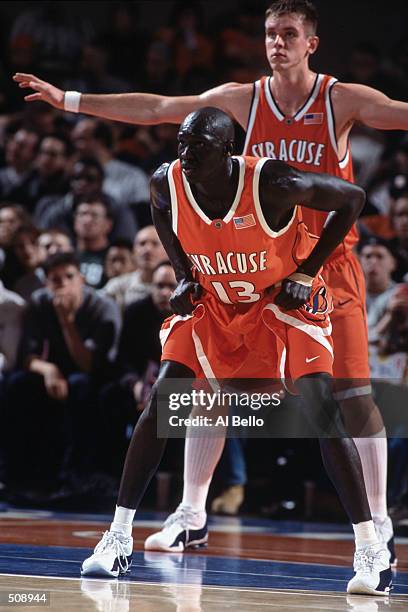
{"x":140,"y":108}
{"x":180,"y":301}
{"x":371,"y":107}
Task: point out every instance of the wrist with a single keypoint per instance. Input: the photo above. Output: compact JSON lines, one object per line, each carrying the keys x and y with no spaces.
{"x":302,"y":278}
{"x":72,"y":101}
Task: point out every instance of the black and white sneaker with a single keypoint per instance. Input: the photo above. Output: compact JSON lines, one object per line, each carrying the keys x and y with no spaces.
{"x":185,"y":528}
{"x":385,"y":534}
{"x":112,"y":556}
{"x":373,"y":572}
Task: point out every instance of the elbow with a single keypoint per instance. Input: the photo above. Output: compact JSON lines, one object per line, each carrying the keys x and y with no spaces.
{"x":356,"y":203}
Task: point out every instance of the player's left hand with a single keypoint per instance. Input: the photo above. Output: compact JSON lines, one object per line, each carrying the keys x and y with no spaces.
{"x":182,"y":299}
{"x":295,"y":291}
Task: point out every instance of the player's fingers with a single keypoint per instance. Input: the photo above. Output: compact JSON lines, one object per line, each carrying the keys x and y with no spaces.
{"x":33,"y":97}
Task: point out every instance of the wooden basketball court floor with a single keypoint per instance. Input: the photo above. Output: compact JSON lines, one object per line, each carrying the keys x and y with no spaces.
{"x":249,"y":565}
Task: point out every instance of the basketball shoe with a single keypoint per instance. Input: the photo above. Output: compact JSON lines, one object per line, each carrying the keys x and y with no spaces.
{"x":112,"y":556}
{"x":185,"y":528}
{"x":373,"y":572}
{"x":385,"y":534}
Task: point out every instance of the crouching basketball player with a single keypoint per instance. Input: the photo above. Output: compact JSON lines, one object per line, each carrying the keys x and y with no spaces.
{"x":248,"y":282}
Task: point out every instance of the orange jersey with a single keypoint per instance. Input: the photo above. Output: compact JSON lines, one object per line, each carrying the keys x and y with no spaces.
{"x":236,"y":258}
{"x":306,"y":141}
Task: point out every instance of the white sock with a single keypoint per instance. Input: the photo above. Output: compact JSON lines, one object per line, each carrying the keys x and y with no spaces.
{"x":201,"y":455}
{"x":123,"y":521}
{"x":365,"y":534}
{"x":373,"y":455}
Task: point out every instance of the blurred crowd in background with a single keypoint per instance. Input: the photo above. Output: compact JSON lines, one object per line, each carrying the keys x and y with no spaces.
{"x":74,"y":204}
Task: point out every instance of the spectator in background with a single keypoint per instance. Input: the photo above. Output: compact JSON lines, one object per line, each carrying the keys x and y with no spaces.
{"x":92,"y":226}
{"x":119,"y":259}
{"x":85,"y":182}
{"x":137,"y":364}
{"x":148,"y":252}
{"x":378,"y":263}
{"x":69,"y":342}
{"x":399,"y":223}
{"x":127,"y":184}
{"x":21,"y":150}
{"x":11,"y":322}
{"x":48,"y":177}
{"x":30,"y":256}
{"x":55,"y":241}
{"x":12,"y":216}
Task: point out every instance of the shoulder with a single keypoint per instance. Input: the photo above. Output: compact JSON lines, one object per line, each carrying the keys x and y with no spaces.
{"x":159,"y":187}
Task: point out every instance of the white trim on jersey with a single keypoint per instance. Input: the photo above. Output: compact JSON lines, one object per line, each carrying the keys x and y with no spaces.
{"x":317,"y":333}
{"x":312,"y":98}
{"x":203,"y":360}
{"x":330,"y":118}
{"x":252,"y":115}
{"x":235,"y":203}
{"x":271,"y":101}
{"x":164,"y":333}
{"x":343,"y":163}
{"x":353,"y":392}
{"x":258,"y":208}
{"x":173,"y":198}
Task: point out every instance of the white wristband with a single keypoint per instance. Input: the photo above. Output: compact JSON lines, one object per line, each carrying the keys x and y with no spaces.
{"x":71,"y":101}
{"x":302,"y":279}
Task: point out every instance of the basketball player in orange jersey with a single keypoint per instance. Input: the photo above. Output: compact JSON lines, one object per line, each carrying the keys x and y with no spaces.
{"x":255,"y":311}
{"x":304,"y":119}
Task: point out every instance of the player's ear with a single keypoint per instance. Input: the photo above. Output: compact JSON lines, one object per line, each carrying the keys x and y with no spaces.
{"x":313,"y":44}
{"x":229,"y":148}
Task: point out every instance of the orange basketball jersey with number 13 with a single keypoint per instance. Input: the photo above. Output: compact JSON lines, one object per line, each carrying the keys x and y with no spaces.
{"x":306,"y":141}
{"x":239,"y":256}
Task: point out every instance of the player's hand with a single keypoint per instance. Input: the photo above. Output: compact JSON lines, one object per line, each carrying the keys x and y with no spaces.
{"x":44,"y":92}
{"x":181,"y":299}
{"x":55,"y":384}
{"x":293,"y":294}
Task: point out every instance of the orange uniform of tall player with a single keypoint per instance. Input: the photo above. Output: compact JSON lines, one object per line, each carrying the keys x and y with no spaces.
{"x":238,"y":331}
{"x":307,"y":141}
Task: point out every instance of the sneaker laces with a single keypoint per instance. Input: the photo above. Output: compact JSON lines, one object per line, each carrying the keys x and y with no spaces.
{"x":111,"y":540}
{"x":364,"y":560}
{"x":182,"y":515}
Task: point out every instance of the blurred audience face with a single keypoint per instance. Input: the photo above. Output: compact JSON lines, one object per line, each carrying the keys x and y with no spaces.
{"x":85,"y":180}
{"x":119,"y":260}
{"x":82,"y":137}
{"x":52,"y":157}
{"x":9,"y":223}
{"x":147,"y":249}
{"x":27,"y":250}
{"x":400,"y":218}
{"x":55,"y":242}
{"x":21,"y":150}
{"x":163,"y":284}
{"x":66,"y":280}
{"x":91,"y":222}
{"x":378,"y":264}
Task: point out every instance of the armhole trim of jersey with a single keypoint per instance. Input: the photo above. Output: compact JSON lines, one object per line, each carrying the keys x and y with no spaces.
{"x":173,"y":197}
{"x":252,"y":114}
{"x":330,"y":116}
{"x":258,"y":208}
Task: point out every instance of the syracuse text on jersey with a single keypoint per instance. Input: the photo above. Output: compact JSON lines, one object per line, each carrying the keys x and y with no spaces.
{"x":230,"y":263}
{"x":300,"y":151}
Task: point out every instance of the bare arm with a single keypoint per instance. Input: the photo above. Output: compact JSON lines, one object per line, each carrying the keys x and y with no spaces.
{"x":144,"y":108}
{"x":371,"y":107}
{"x":288,"y":187}
{"x":161,"y":207}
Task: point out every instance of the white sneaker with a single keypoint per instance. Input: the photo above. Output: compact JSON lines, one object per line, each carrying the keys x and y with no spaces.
{"x":112,"y":556}
{"x":385,"y":534}
{"x":373,"y":573}
{"x":185,"y":528}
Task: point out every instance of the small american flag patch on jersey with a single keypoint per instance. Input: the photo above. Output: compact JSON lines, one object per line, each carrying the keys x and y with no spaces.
{"x":313,"y":118}
{"x":245,"y":221}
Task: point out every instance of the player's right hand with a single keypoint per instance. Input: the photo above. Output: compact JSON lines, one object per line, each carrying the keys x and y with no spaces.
{"x":181,"y":299}
{"x":44,"y":92}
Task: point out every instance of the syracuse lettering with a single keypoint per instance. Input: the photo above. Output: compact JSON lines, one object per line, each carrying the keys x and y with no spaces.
{"x":300,"y":151}
{"x":230,"y":263}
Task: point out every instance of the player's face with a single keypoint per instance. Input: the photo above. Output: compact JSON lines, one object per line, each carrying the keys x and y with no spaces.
{"x":288,"y":41}
{"x":200,"y":153}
